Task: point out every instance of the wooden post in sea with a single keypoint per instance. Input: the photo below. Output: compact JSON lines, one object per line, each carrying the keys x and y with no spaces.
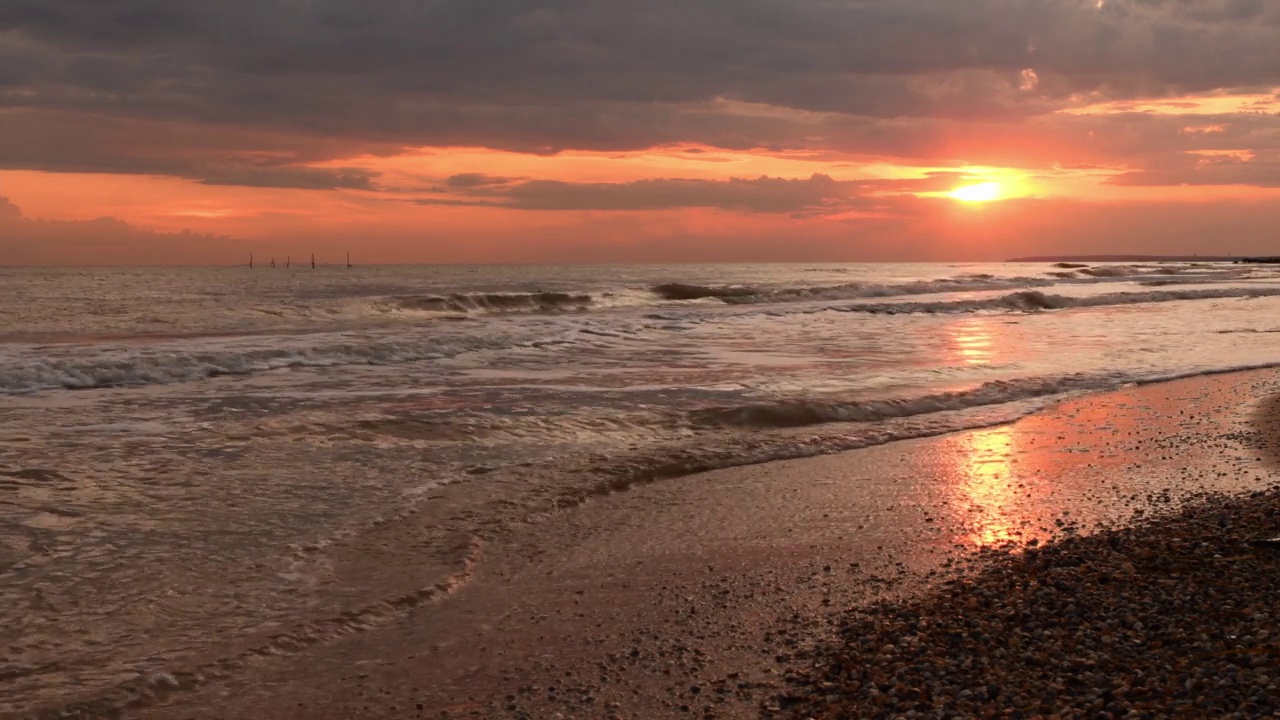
{"x":313,"y":261}
{"x":250,"y":261}
{"x":273,"y":263}
{"x":287,"y":261}
{"x":348,"y":260}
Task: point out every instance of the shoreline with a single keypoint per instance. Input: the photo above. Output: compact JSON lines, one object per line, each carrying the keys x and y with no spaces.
{"x":1170,"y":618}
{"x":1167,"y":617}
{"x":703,"y":593}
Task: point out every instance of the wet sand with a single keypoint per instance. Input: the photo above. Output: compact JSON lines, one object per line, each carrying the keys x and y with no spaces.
{"x":698,"y":596}
{"x":1172,"y":617}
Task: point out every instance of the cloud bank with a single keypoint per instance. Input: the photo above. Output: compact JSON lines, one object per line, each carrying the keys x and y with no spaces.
{"x":606,"y":74}
{"x":1130,"y":97}
{"x":102,"y":241}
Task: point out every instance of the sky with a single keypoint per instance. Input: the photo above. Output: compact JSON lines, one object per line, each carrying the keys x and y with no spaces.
{"x":181,"y":131}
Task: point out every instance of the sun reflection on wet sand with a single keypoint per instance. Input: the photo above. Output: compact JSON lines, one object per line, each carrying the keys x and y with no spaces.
{"x":1044,"y":475}
{"x":988,"y":485}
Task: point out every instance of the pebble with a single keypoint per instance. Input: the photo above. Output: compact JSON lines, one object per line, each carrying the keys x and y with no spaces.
{"x":1168,"y":618}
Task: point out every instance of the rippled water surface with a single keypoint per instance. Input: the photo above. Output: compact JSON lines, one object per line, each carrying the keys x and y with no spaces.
{"x":185,"y":453}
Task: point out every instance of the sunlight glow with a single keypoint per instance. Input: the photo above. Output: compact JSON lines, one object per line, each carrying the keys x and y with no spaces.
{"x":972,"y":341}
{"x":1208,"y":104}
{"x":988,"y":484}
{"x":982,"y":192}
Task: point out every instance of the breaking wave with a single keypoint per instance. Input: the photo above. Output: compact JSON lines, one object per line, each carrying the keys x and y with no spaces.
{"x":798,"y":413}
{"x":794,"y":413}
{"x":745,"y":295}
{"x":492,"y":303}
{"x":550,"y":302}
{"x":469,"y":303}
{"x":170,"y":363}
{"x":1034,"y":301}
{"x":684,"y":291}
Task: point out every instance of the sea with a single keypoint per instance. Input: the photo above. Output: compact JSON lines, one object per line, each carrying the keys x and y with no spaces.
{"x":185,"y":451}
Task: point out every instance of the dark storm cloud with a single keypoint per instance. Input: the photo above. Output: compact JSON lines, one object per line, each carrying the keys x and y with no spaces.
{"x":612,"y":75}
{"x":65,"y":142}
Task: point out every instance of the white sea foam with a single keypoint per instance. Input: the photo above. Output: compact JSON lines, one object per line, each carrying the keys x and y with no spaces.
{"x":27,"y":367}
{"x":667,"y":293}
{"x":222,"y":504}
{"x":1034,"y":301}
{"x":787,"y":413}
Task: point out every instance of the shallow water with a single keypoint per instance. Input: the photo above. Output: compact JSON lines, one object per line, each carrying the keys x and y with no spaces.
{"x":185,"y":453}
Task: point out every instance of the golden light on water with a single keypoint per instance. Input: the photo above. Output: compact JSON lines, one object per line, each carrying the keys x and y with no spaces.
{"x":972,"y":342}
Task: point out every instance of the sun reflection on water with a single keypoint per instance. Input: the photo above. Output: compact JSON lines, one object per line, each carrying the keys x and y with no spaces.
{"x":972,"y":342}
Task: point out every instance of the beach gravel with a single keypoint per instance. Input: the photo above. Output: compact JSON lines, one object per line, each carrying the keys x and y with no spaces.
{"x":1171,"y":618}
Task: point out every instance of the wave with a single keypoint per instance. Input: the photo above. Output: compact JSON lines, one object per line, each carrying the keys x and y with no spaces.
{"x":469,"y":303}
{"x":154,"y":366}
{"x":978,"y":282}
{"x":746,"y":295}
{"x":160,"y":363}
{"x":799,"y":413}
{"x":685,"y":291}
{"x":667,"y":293}
{"x":1035,"y":301}
{"x":796,"y":413}
{"x":1118,"y":271}
{"x":798,"y":434}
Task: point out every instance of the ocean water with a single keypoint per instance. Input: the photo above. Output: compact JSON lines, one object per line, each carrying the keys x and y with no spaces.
{"x":188,"y":456}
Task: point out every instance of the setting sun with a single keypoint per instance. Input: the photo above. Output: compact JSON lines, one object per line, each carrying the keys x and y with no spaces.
{"x":982,"y":192}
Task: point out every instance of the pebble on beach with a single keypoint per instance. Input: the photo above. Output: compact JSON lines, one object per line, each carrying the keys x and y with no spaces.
{"x":1172,"y":618}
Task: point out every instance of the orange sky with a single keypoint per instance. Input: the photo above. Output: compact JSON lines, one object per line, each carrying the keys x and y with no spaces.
{"x":947,"y":159}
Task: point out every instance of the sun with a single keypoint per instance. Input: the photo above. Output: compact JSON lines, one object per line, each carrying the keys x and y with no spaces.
{"x":980,"y":193}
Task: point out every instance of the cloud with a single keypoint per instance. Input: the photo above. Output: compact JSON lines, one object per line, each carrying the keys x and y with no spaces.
{"x":9,"y":213}
{"x":284,"y":93}
{"x":102,"y":241}
{"x":300,"y":178}
{"x":758,"y":195}
{"x":65,"y":142}
{"x":1208,"y":170}
{"x":476,"y":180}
{"x":608,"y":74}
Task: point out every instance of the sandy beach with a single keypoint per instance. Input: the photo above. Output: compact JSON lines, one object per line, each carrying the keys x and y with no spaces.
{"x":708,"y":595}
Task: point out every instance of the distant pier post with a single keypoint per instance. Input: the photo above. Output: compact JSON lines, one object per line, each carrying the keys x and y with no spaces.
{"x":250,"y":261}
